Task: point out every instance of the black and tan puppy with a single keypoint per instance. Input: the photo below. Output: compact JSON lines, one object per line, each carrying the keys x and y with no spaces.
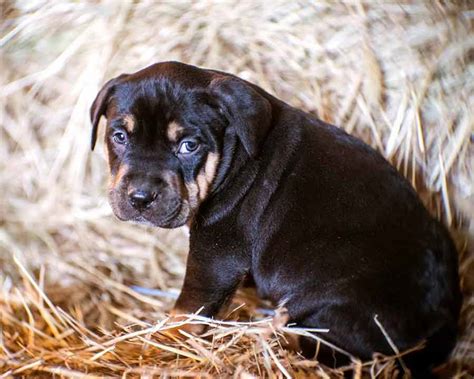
{"x":319,"y":220}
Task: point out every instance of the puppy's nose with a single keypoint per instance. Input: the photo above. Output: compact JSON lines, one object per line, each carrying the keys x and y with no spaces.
{"x":141,"y":199}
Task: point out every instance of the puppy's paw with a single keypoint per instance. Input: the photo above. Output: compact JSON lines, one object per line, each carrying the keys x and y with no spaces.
{"x":177,"y":316}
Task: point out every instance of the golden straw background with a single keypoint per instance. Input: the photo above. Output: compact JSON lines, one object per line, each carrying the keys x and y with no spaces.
{"x":73,"y":279}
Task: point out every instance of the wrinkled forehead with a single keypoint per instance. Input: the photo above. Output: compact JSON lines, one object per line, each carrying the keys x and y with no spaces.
{"x":149,"y":108}
{"x":160,"y":87}
{"x":167,"y":102}
{"x":142,"y":99}
{"x":141,"y":108}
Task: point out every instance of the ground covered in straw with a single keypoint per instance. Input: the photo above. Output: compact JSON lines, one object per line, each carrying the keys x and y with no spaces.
{"x":82,"y":294}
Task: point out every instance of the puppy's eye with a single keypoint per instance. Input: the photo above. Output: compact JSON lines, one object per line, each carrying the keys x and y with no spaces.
{"x":119,"y":137}
{"x":188,"y":147}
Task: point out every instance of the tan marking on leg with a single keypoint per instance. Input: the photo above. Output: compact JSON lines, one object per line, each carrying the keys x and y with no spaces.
{"x":129,"y":122}
{"x":174,"y":131}
{"x":207,"y":174}
{"x":178,"y":315}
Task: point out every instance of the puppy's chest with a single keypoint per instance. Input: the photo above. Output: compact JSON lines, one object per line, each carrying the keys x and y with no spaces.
{"x":271,"y":281}
{"x":222,"y":240}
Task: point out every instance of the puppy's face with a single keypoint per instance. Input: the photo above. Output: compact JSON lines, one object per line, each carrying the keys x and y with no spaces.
{"x":163,"y":157}
{"x":164,"y":140}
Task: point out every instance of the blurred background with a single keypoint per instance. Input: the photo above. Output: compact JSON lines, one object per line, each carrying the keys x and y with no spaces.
{"x":400,"y":75}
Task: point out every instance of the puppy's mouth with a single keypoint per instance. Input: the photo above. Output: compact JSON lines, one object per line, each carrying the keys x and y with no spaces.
{"x":172,"y":219}
{"x":152,"y":216}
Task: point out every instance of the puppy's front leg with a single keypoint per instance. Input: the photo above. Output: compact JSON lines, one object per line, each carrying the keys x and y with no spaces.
{"x":211,"y":279}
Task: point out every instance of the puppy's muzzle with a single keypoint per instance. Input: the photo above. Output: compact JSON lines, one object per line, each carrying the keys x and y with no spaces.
{"x":141,"y":199}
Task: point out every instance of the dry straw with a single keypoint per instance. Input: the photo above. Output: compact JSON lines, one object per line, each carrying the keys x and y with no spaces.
{"x":83,"y":295}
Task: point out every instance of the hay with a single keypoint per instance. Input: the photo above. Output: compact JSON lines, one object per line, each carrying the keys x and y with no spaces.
{"x":75,"y":283}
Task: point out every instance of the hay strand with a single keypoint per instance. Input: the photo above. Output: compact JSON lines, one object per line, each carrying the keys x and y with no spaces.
{"x":84,"y":295}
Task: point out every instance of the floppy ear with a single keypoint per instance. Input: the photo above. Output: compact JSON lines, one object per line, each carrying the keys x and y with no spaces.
{"x":248,"y":112}
{"x":99,"y":106}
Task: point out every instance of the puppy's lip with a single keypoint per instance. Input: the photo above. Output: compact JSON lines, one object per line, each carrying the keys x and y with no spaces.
{"x":166,"y":222}
{"x":142,"y":221}
{"x":175,"y":212}
{"x":121,"y":218}
{"x":180,"y":217}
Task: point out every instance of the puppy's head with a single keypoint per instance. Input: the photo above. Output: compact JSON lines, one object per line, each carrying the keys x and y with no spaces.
{"x":165,"y":137}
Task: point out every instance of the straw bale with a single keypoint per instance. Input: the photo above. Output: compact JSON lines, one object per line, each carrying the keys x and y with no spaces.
{"x":84,"y":295}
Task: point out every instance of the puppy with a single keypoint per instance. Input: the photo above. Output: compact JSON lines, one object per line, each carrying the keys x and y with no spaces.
{"x":316,"y":218}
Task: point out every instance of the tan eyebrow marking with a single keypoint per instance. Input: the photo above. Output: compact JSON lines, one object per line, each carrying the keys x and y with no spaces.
{"x":173,"y":131}
{"x":129,"y":123}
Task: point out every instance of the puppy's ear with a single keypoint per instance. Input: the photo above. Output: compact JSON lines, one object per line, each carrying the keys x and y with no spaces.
{"x":248,"y":112}
{"x":99,"y":106}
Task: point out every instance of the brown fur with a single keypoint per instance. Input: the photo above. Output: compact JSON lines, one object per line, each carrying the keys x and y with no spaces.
{"x":207,"y":174}
{"x":174,"y":131}
{"x":129,"y":122}
{"x":114,"y":180}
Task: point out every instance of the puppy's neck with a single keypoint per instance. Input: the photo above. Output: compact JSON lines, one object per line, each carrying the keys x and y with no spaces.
{"x":240,"y":177}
